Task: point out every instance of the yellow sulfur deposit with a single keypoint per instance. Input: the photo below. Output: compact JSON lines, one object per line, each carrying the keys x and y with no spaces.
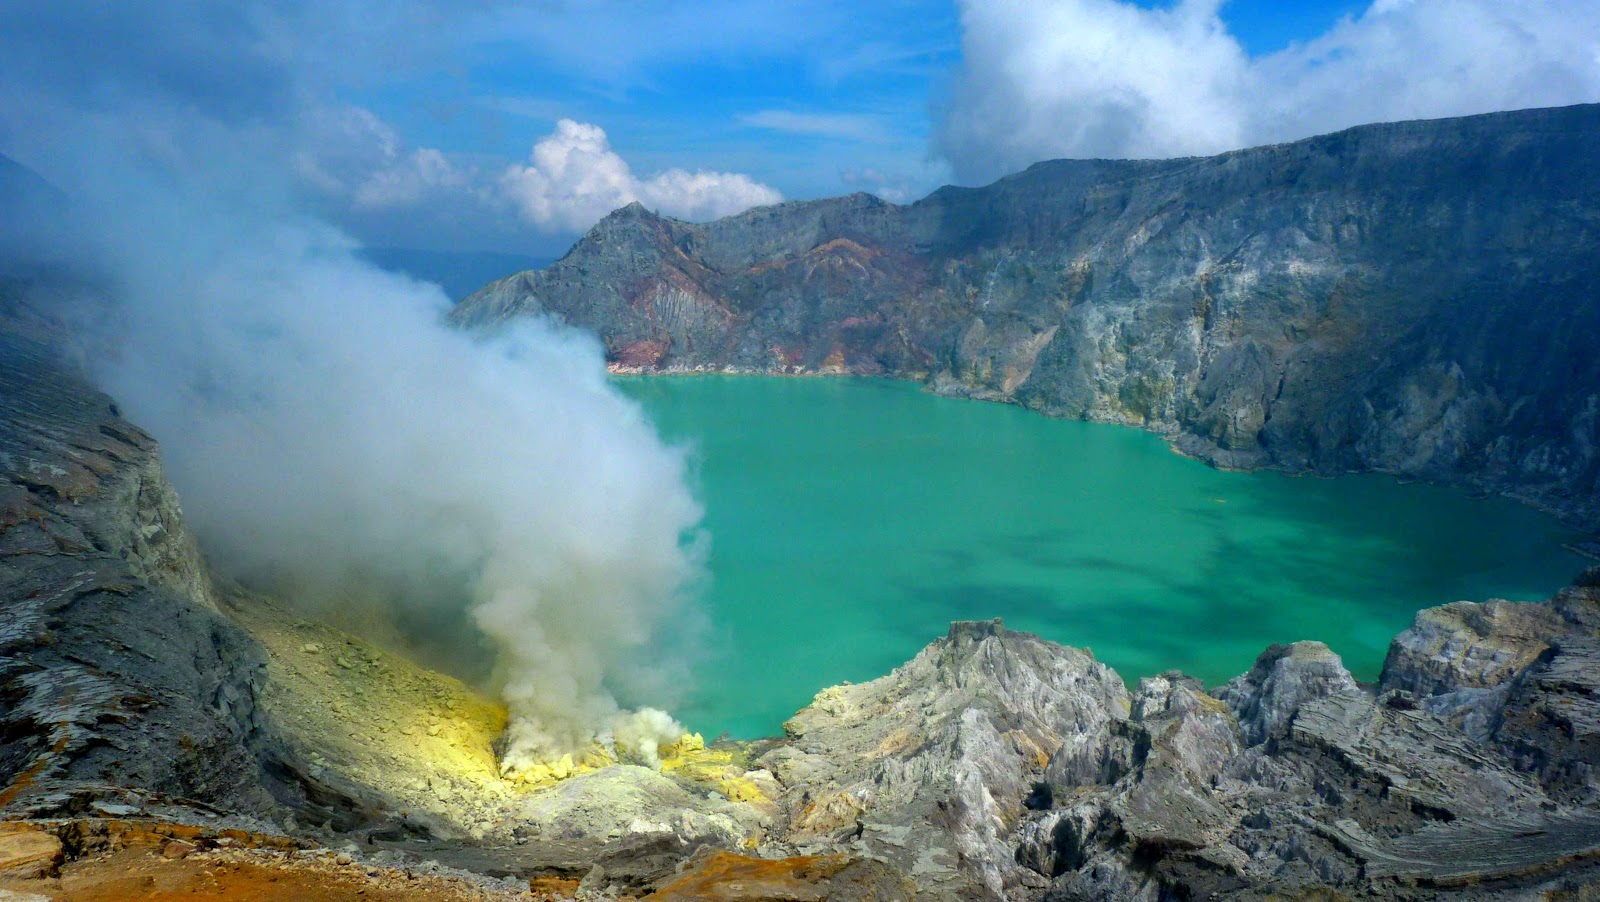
{"x":591,"y":759}
{"x":722,"y":768}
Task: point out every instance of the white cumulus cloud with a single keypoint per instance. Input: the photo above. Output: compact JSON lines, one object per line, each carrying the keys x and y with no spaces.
{"x":352,"y":154}
{"x":1042,"y":79}
{"x":573,"y":178}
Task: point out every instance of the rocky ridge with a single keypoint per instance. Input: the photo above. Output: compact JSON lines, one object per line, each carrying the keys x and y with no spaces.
{"x":1413,"y":298}
{"x":121,"y":678}
{"x":994,"y":765}
{"x":143,"y":704}
{"x":953,"y":741}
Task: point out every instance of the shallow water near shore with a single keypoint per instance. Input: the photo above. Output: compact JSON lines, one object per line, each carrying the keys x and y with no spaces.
{"x":851,"y":519}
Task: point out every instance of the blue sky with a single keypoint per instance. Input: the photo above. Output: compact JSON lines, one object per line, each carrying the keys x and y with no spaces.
{"x":513,"y":126}
{"x":854,"y":85}
{"x":858,"y":83}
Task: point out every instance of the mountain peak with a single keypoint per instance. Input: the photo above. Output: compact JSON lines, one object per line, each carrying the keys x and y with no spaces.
{"x":631,"y":210}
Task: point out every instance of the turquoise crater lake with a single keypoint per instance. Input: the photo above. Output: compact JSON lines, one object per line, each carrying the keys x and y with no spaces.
{"x":852,"y":519}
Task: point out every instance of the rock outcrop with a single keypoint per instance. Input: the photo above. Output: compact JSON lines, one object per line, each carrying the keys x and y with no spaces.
{"x":1415,"y":298}
{"x":994,"y":765}
{"x":1284,"y":679}
{"x":120,"y":681}
{"x":1307,"y":782}
{"x":929,"y":767}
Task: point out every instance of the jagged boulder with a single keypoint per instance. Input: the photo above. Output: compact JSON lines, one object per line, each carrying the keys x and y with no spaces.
{"x":1284,"y":678}
{"x":1295,"y":780}
{"x":1161,"y":801}
{"x":1182,"y":739}
{"x":1466,"y":661}
{"x":929,"y":767}
{"x":1468,"y":646}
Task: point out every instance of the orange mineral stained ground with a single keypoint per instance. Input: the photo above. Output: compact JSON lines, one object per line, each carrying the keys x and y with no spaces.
{"x":147,"y":876}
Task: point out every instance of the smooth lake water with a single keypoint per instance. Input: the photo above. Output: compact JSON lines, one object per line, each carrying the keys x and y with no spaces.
{"x":851,"y":519}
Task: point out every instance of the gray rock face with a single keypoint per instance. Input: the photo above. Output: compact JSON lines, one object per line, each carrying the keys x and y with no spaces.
{"x":1283,"y":679}
{"x":1325,"y":787}
{"x":117,"y":674}
{"x":929,"y":767}
{"x":1414,"y":298}
{"x":1469,"y":646}
{"x":1292,"y":779}
{"x":1163,"y":804}
{"x":1182,"y":739}
{"x":1522,"y":677}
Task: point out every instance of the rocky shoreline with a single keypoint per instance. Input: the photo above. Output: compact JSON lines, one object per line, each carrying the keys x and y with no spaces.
{"x":1178,"y":442}
{"x":1409,"y":298}
{"x":994,"y":765}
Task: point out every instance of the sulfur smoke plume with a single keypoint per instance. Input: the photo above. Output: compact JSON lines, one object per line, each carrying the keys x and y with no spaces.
{"x":332,"y":439}
{"x":335,"y":441}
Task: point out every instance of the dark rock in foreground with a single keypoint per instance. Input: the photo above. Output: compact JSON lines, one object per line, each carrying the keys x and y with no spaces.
{"x":1316,"y":782}
{"x":1416,"y":298}
{"x":1290,"y":779}
{"x":994,"y":765}
{"x":928,"y":767}
{"x":121,"y":684}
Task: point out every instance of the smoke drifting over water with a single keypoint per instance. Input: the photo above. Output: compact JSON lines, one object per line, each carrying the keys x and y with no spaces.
{"x":334,"y":441}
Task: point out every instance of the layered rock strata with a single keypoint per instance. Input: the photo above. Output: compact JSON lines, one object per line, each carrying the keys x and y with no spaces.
{"x":120,"y":682}
{"x":1414,"y":298}
{"x":995,"y":765}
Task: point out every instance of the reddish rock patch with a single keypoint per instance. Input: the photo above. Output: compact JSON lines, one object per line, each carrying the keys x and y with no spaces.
{"x":640,"y":354}
{"x":727,"y":877}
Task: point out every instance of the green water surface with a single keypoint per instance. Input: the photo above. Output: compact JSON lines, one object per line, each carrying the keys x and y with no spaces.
{"x":851,"y":519}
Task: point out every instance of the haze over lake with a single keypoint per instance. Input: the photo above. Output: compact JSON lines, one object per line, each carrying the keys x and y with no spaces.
{"x":852,"y":519}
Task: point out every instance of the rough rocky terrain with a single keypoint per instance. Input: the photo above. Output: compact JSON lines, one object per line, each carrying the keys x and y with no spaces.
{"x":167,"y":735}
{"x":1415,"y":298}
{"x":144,"y":705}
{"x":122,"y":682}
{"x":146,"y":864}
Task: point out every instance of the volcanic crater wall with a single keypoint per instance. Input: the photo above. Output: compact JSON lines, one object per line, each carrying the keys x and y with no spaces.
{"x":1416,"y":298}
{"x":120,"y":679}
{"x":994,"y":765}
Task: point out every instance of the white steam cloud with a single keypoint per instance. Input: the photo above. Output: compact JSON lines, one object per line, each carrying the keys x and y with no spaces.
{"x":573,"y":178}
{"x":332,"y":437}
{"x":1042,"y":79}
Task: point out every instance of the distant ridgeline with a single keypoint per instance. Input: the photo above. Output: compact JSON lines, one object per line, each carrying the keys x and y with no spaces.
{"x":1418,"y":298}
{"x":459,"y":273}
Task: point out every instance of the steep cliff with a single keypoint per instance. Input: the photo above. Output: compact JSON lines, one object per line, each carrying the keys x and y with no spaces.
{"x":994,"y":765}
{"x":120,"y":681}
{"x":1416,"y":298}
